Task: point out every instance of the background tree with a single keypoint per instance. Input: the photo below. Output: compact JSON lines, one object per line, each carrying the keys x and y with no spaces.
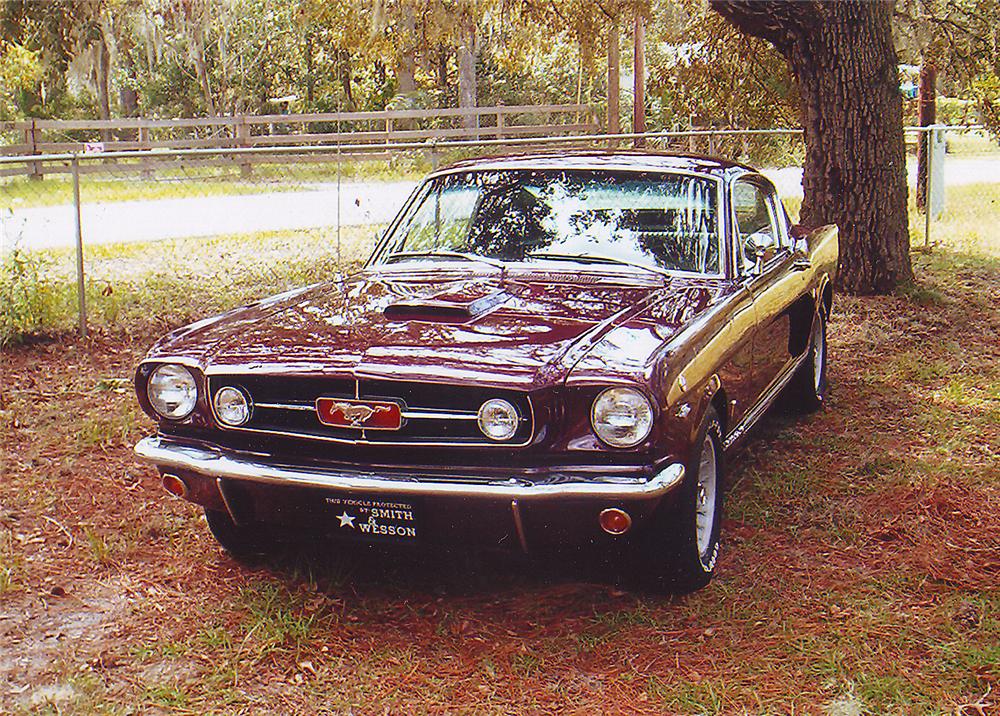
{"x":854,"y":174}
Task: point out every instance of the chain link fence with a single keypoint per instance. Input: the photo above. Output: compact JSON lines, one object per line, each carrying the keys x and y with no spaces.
{"x":145,"y":240}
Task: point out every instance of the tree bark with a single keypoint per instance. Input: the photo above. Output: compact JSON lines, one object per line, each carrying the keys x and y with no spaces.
{"x":614,"y":68}
{"x":102,"y":72}
{"x":926,"y":116}
{"x":344,"y":73}
{"x":441,"y":71}
{"x":406,"y":65}
{"x":467,"y":76}
{"x":854,"y":175}
{"x":639,"y":85}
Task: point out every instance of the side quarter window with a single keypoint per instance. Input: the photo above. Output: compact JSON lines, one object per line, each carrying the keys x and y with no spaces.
{"x":758,"y":230}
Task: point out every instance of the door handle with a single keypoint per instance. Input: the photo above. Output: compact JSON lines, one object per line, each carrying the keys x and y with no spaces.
{"x":801,"y":264}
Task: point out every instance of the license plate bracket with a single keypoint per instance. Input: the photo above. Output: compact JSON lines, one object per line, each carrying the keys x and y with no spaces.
{"x":372,"y":517}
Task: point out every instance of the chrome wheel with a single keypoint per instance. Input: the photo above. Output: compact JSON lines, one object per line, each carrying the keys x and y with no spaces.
{"x":705,"y":496}
{"x":819,"y":356}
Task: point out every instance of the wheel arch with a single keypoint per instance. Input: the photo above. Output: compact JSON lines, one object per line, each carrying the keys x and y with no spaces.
{"x":826,"y":297}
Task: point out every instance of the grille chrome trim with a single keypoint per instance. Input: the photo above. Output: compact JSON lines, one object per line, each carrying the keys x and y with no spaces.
{"x":407,"y":413}
{"x":287,"y":406}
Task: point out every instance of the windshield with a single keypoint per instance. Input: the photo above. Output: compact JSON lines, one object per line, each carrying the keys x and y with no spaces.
{"x":660,"y":221}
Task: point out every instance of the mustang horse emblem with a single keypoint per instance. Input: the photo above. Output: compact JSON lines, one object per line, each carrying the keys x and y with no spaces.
{"x":357,"y":415}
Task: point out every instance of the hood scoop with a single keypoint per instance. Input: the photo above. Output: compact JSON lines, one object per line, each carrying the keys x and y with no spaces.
{"x":460,"y":306}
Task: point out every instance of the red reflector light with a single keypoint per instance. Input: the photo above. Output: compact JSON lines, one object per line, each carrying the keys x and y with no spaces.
{"x":175,"y":486}
{"x":615,"y":521}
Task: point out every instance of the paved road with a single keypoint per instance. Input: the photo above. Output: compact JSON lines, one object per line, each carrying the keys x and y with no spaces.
{"x":54,"y":226}
{"x":361,"y":203}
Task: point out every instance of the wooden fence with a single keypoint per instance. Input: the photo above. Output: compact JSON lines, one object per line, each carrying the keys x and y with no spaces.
{"x":54,"y":136}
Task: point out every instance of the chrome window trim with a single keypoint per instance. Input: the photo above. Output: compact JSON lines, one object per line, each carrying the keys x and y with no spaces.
{"x":375,"y":260}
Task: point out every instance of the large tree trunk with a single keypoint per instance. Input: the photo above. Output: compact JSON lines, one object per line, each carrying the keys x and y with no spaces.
{"x":614,"y":68}
{"x":854,"y":175}
{"x":345,"y":73}
{"x":406,"y":65}
{"x":467,"y":76}
{"x":639,"y":80}
{"x":102,"y":75}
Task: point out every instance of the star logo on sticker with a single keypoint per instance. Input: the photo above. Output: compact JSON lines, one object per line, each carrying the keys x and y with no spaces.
{"x":346,"y":520}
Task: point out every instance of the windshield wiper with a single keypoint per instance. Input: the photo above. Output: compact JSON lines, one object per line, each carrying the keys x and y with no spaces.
{"x":402,"y":255}
{"x":596,"y":259}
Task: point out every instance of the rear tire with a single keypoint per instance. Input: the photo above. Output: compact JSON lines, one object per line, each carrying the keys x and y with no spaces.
{"x":806,"y":391}
{"x":241,"y":541}
{"x":681,"y":544}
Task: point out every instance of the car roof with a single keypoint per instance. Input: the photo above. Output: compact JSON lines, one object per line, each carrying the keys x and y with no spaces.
{"x":610,"y":160}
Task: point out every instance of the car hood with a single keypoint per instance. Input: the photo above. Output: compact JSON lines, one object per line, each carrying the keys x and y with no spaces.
{"x":513,"y":330}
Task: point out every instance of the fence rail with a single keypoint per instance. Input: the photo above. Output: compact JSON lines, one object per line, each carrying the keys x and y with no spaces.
{"x":50,"y":136}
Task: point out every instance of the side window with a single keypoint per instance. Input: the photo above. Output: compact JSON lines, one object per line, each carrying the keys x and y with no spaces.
{"x":755,"y":224}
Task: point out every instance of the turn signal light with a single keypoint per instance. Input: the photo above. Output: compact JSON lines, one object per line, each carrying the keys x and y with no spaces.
{"x":175,"y":486}
{"x":615,"y":521}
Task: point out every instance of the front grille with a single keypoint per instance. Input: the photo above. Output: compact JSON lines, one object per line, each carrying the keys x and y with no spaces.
{"x":432,"y":413}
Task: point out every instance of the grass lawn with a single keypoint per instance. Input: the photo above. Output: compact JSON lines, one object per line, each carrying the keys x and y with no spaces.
{"x":860,"y":569}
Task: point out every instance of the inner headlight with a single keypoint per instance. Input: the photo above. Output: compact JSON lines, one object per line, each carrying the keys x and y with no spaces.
{"x":622,"y":417}
{"x":498,"y":419}
{"x":231,"y":406}
{"x":172,"y":391}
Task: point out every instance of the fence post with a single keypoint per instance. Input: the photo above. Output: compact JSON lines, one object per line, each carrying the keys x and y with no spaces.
{"x":499,"y":125}
{"x":80,"y":295}
{"x":928,"y":139}
{"x":31,"y":139}
{"x":243,"y":140}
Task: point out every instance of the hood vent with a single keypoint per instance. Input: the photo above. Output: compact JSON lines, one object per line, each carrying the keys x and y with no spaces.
{"x":445,"y":309}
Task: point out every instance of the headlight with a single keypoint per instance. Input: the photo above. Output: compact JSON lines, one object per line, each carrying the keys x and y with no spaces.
{"x":231,"y":406}
{"x":498,"y":419}
{"x":172,"y":391}
{"x":622,"y":417}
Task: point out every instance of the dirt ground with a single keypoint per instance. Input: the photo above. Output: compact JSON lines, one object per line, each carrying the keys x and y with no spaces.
{"x":860,"y":566}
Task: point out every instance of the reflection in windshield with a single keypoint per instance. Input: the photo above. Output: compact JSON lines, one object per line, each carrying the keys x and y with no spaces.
{"x":666,"y":221}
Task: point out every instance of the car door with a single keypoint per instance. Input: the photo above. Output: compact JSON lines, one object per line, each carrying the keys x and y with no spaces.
{"x":765,"y":259}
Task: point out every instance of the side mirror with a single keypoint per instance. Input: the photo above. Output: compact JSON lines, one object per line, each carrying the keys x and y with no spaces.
{"x":760,"y":248}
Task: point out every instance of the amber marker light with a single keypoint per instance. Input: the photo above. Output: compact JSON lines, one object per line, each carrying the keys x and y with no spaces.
{"x":615,"y":521}
{"x":175,"y":486}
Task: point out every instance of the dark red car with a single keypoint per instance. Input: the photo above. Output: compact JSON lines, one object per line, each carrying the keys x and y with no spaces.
{"x":542,"y":351}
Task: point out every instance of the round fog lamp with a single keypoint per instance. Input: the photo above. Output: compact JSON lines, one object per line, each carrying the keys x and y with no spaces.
{"x":498,"y":419}
{"x":622,"y":417}
{"x":232,"y":406}
{"x":172,"y":391}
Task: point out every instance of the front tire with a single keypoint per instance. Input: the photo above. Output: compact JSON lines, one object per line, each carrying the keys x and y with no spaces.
{"x":806,"y":392}
{"x":241,"y":541}
{"x":681,"y":545}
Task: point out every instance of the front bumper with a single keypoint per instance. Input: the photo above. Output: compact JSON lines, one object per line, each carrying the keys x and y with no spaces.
{"x":556,"y":506}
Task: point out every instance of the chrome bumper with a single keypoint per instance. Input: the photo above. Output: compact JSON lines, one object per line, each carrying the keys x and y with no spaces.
{"x":173,"y":455}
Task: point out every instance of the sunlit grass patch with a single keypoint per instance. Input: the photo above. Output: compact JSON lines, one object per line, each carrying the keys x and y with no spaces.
{"x":133,"y":285}
{"x":968,"y":223}
{"x":276,"y":616}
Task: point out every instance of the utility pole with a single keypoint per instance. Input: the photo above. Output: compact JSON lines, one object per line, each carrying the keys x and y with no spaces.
{"x":639,"y":73}
{"x":926,"y":116}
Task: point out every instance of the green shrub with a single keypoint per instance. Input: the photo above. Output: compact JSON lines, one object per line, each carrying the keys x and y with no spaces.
{"x":28,"y":302}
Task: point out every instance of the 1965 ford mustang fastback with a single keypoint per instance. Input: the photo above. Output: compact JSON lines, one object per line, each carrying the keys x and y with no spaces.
{"x":542,"y":351}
